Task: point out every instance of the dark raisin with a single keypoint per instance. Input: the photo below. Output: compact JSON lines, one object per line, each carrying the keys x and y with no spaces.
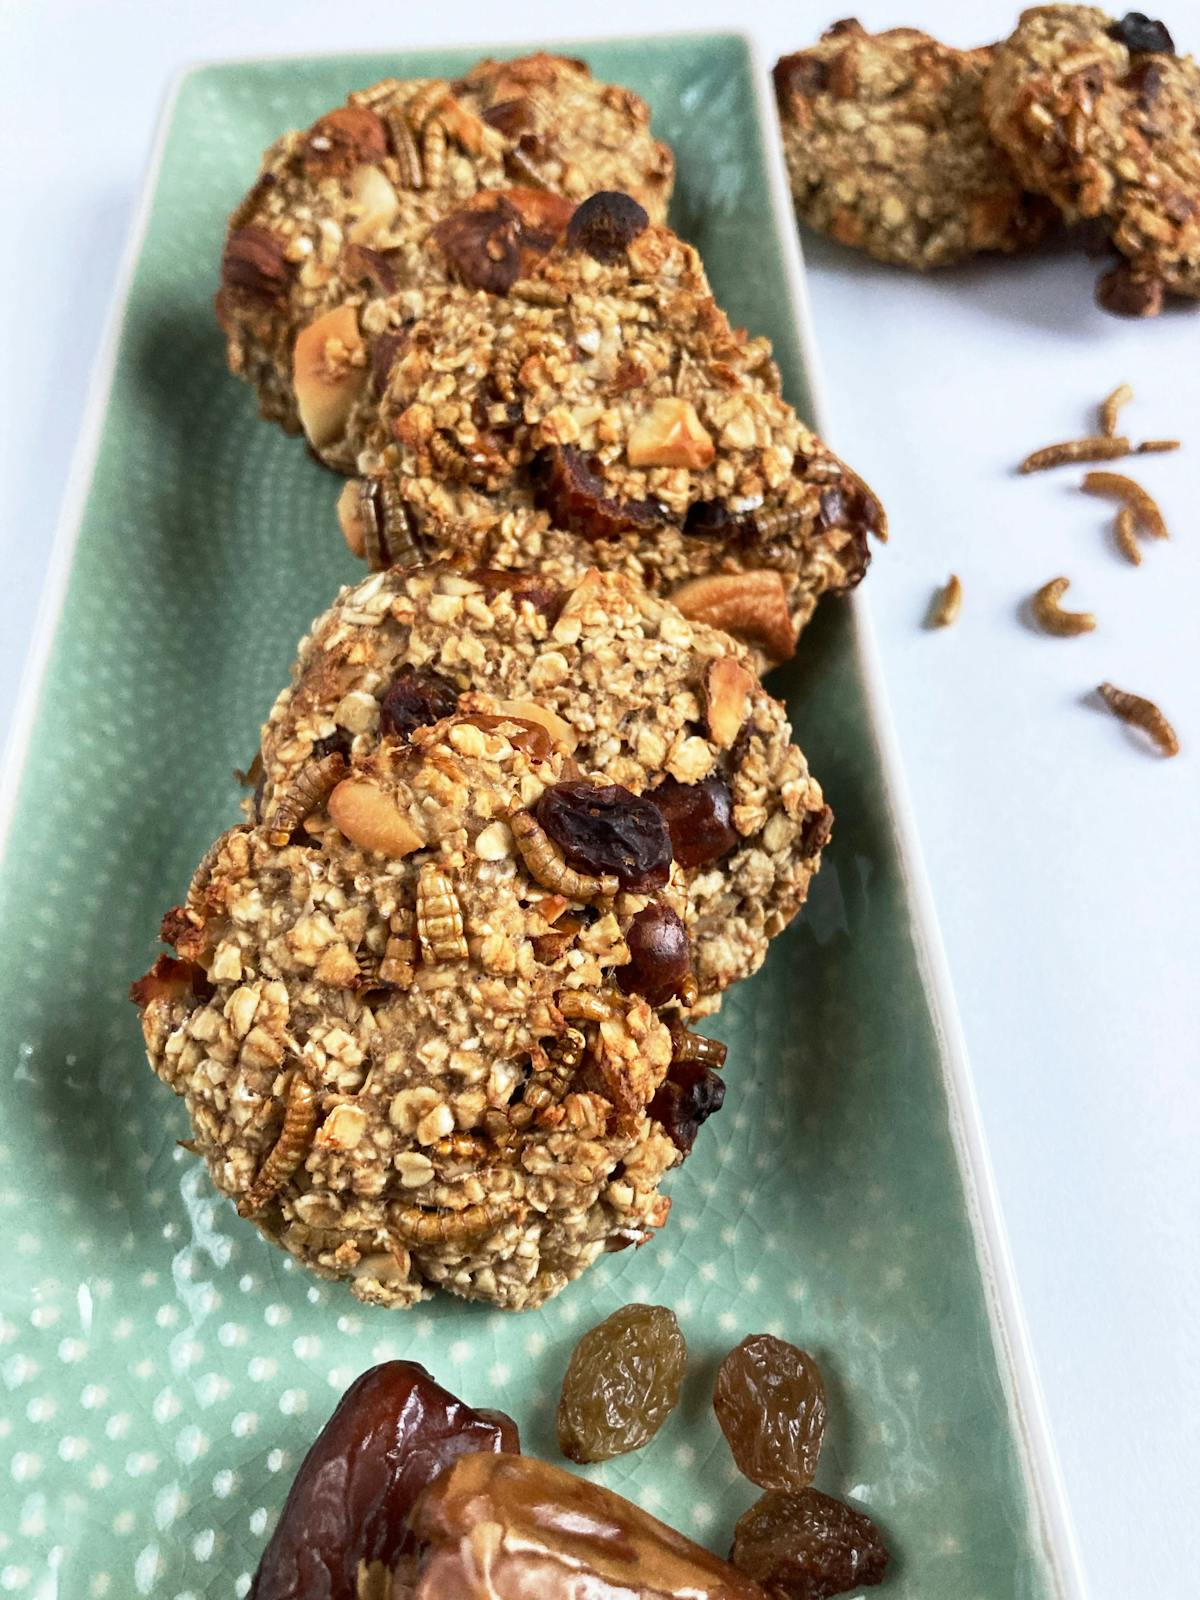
{"x":815,"y":832}
{"x":1146,"y":81}
{"x":393,"y":1432}
{"x":1128,"y":293}
{"x":567,"y":486}
{"x":336,"y":743}
{"x":491,"y":242}
{"x":525,"y":587}
{"x":386,"y":350}
{"x":699,"y":817}
{"x":807,"y":1545}
{"x":605,"y":828}
{"x":606,"y":224}
{"x":416,"y":697}
{"x":510,"y":117}
{"x":359,"y":264}
{"x":802,"y":76}
{"x":660,"y":957}
{"x":770,"y":1401}
{"x":709,"y":519}
{"x":254,"y":264}
{"x":684,"y":1101}
{"x":1142,"y":34}
{"x":621,"y":1384}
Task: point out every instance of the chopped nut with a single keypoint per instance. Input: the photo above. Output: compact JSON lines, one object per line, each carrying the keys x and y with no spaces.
{"x":1045,"y":608}
{"x":254,"y":264}
{"x":1141,"y":713}
{"x":328,"y":372}
{"x":370,"y":819}
{"x":670,"y":434}
{"x":342,"y":1128}
{"x":751,"y":605}
{"x":377,"y":201}
{"x":495,"y":842}
{"x":529,"y":711}
{"x":727,"y":685}
{"x":342,"y":139}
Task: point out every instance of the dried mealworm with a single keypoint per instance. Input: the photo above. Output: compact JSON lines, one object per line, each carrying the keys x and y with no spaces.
{"x":307,"y":792}
{"x":1045,"y":608}
{"x":1156,"y":447}
{"x":1111,"y":405}
{"x":408,"y":157}
{"x":433,"y":154}
{"x":947,"y":603}
{"x":288,"y":1151}
{"x":439,"y":916}
{"x":590,"y":1007}
{"x":775,"y":524}
{"x":1141,"y":713}
{"x":422,"y":105}
{"x":505,"y":369}
{"x":417,"y":1225}
{"x":204,"y":870}
{"x":462,"y":1147}
{"x":1131,"y":494}
{"x":688,"y":1046}
{"x":547,"y":867}
{"x":452,"y":461}
{"x":1074,"y":450}
{"x":1126,"y":536}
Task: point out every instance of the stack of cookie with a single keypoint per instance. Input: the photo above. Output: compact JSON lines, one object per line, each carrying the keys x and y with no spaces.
{"x":525,"y":810}
{"x":922,"y":155}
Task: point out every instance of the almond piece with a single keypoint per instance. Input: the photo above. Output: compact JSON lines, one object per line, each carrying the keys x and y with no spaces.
{"x":377,"y":201}
{"x":342,"y":1128}
{"x":670,"y":434}
{"x":529,"y":711}
{"x":371,"y":819}
{"x":328,"y":372}
{"x":342,"y":140}
{"x":350,"y":517}
{"x":750,"y":605}
{"x":727,"y":685}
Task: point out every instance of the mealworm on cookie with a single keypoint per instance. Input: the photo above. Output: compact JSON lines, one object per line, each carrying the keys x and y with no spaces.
{"x":1141,"y":713}
{"x":288,"y":1151}
{"x":547,"y":867}
{"x":417,"y":1225}
{"x":1045,"y":607}
{"x":1111,"y":405}
{"x":947,"y":603}
{"x":307,"y":792}
{"x":1119,"y":487}
{"x":1124,"y":531}
{"x":1095,"y":448}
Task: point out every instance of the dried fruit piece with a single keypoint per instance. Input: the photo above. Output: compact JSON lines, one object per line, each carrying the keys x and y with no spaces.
{"x":751,"y":605}
{"x":727,"y":685}
{"x":1141,"y":34}
{"x":1126,"y":292}
{"x":660,"y":957}
{"x":500,"y":235}
{"x":621,"y":1384}
{"x":770,"y":1401}
{"x":577,"y":501}
{"x":328,"y":372}
{"x":509,"y":1526}
{"x":670,"y":434}
{"x":606,"y":225}
{"x":525,"y":587}
{"x":342,"y":140}
{"x":416,"y":698}
{"x":807,"y":1545}
{"x":254,"y":264}
{"x":699,"y":817}
{"x":393,"y":1432}
{"x":687,"y":1097}
{"x":606,"y":828}
{"x":370,"y":819}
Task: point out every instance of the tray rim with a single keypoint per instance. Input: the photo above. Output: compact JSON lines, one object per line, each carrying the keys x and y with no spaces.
{"x":1028,"y":1414}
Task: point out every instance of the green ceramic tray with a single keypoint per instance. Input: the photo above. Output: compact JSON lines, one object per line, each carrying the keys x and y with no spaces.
{"x":164,"y":1369}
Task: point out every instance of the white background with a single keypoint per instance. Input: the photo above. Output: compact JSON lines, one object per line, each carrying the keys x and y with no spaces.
{"x":1063,"y":857}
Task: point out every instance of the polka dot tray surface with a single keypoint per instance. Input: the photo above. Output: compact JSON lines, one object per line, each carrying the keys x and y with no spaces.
{"x":162,"y":1369}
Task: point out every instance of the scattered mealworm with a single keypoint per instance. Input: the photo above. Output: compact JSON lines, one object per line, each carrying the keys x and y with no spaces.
{"x":1131,"y":494}
{"x":1095,"y":448}
{"x":1126,"y":536}
{"x":1141,"y":713}
{"x":1156,"y":447}
{"x":947,"y":603}
{"x":1045,"y":608}
{"x":1111,"y":405}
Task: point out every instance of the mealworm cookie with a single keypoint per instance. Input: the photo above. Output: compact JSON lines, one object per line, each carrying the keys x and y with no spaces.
{"x":604,"y":413}
{"x":644,"y":698}
{"x":415,"y":1024}
{"x":1104,"y":118}
{"x":345,"y":205}
{"x":887,"y":149}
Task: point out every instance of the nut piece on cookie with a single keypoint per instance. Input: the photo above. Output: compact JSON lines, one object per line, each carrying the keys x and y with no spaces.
{"x":603,"y":412}
{"x":1103,"y":117}
{"x":341,"y":212}
{"x":637,"y":694}
{"x":412,"y":1040}
{"x":887,"y":150}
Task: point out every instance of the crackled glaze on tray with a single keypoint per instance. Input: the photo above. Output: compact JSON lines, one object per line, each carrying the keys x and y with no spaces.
{"x":164,"y":1370}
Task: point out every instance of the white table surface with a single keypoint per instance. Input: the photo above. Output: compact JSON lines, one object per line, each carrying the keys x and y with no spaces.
{"x":1063,"y":858}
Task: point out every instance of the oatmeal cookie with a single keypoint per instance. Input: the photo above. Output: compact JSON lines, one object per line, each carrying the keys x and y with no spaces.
{"x":887,"y":149}
{"x":604,"y":413}
{"x":646,"y":698}
{"x":344,"y":207}
{"x":1104,"y":118}
{"x":414,"y":1014}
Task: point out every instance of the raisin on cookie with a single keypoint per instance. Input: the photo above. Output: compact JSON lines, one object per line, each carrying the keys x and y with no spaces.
{"x":396,"y":1016}
{"x":603,"y":412}
{"x":645,"y":698}
{"x":1103,"y":117}
{"x":342,"y":209}
{"x":887,"y":149}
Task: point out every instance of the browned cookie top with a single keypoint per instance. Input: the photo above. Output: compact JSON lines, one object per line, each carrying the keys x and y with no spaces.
{"x":887,"y":148}
{"x":351,"y":199}
{"x":1104,"y":117}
